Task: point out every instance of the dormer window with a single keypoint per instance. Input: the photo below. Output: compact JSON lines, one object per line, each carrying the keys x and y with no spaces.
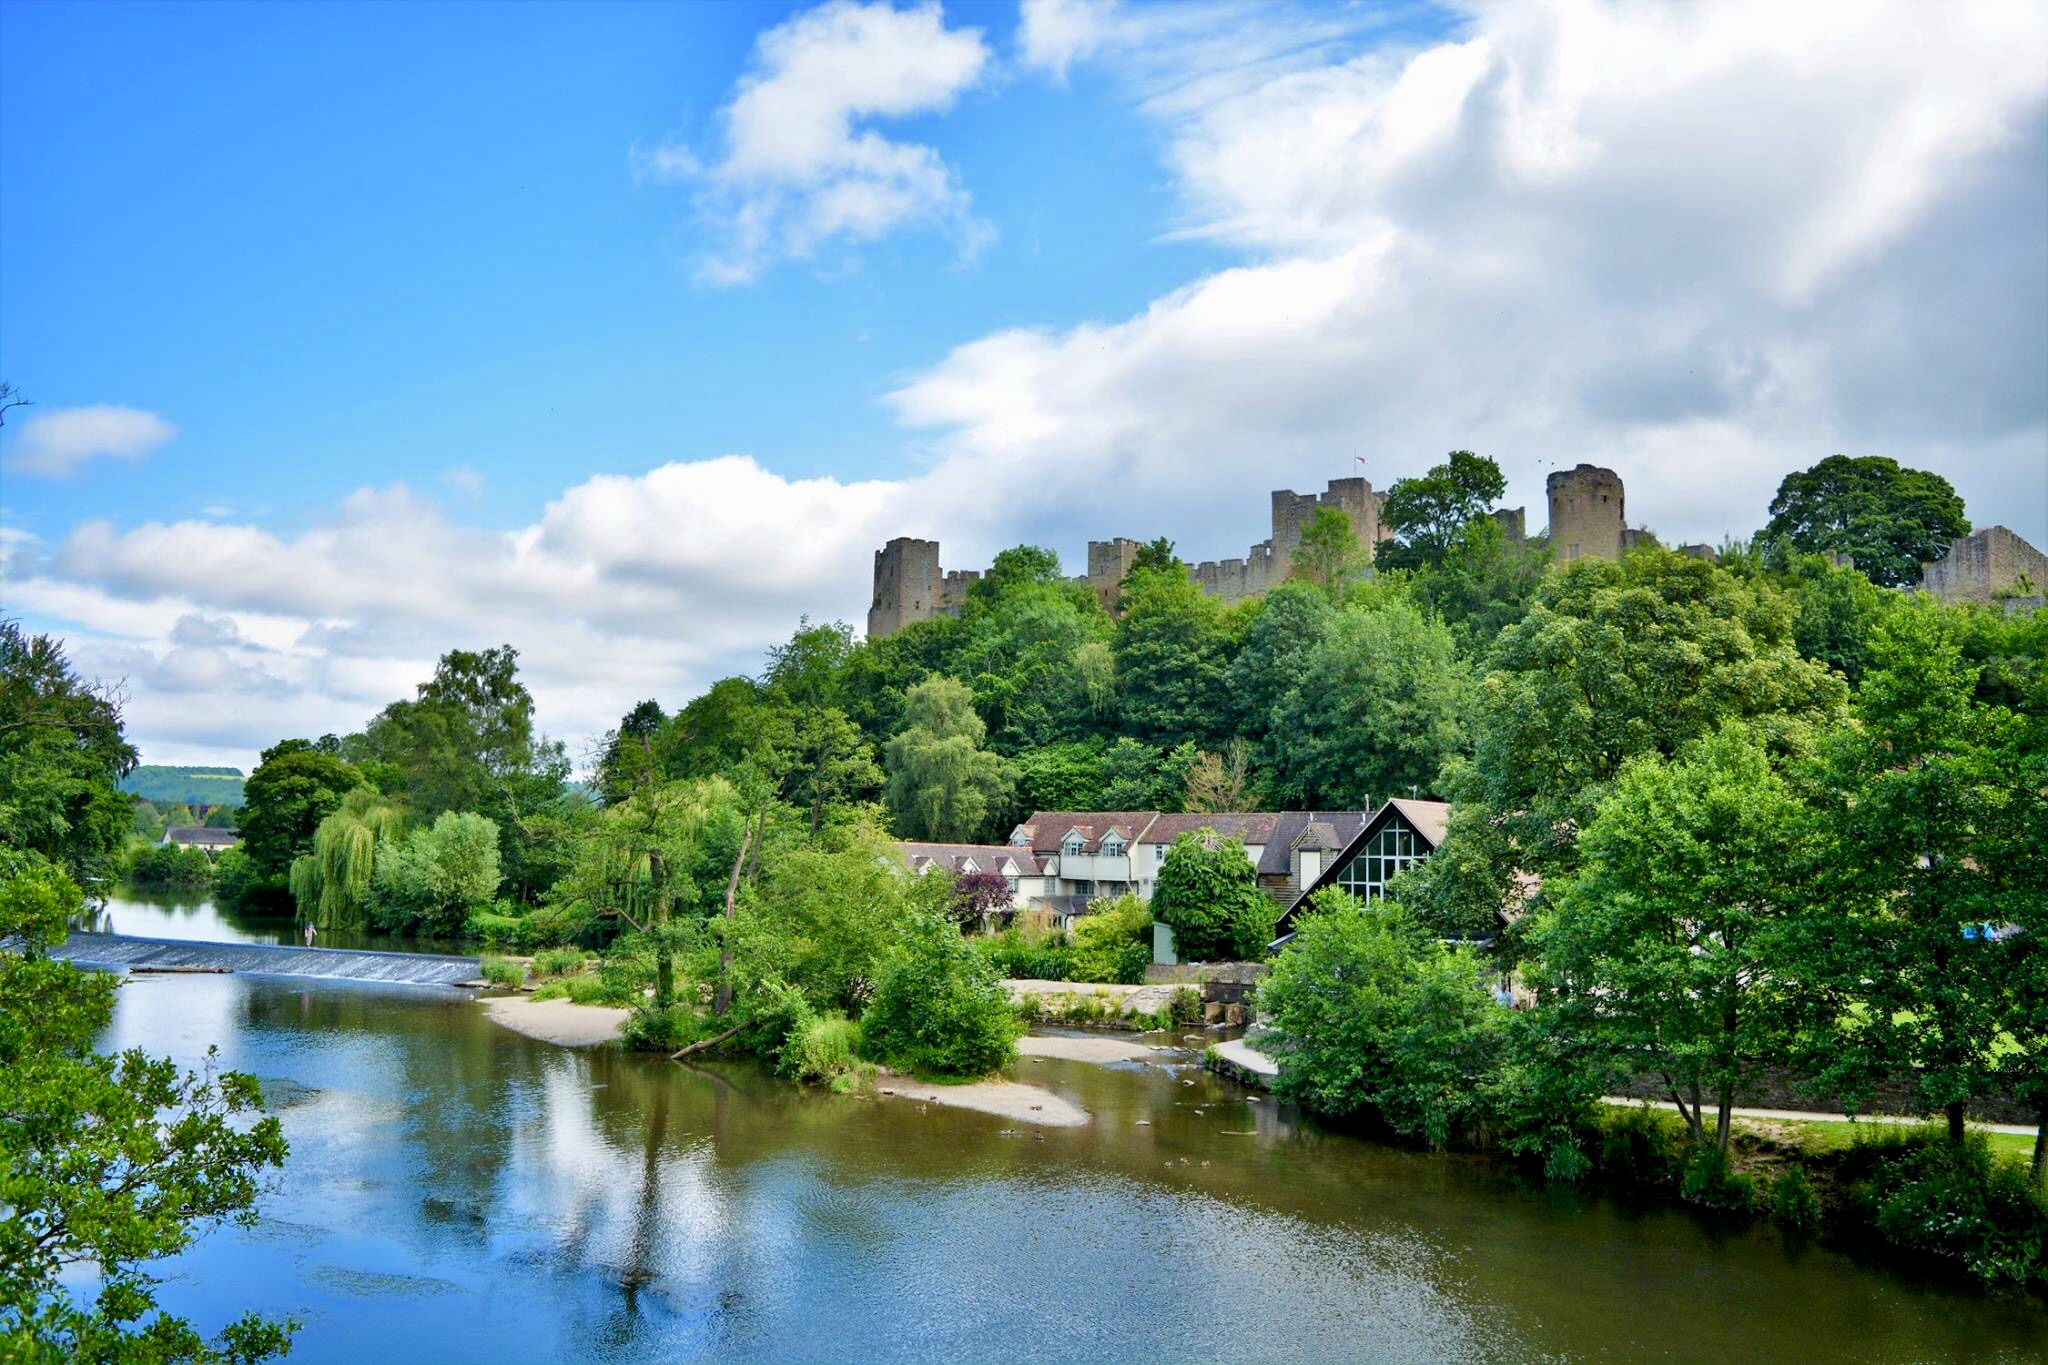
{"x":968,"y":865}
{"x":1074,"y":845}
{"x":1112,"y":847}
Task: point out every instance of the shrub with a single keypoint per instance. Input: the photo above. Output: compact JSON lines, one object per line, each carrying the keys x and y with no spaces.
{"x":1638,"y":1146}
{"x":557,"y":961}
{"x":1793,"y":1202}
{"x":1956,"y":1203}
{"x":1029,"y":957}
{"x":1186,"y":1006}
{"x":1709,"y":1182}
{"x":584,"y":990}
{"x":1113,"y":943}
{"x":649,"y":1029}
{"x":1208,"y":893}
{"x":824,"y":1050}
{"x":500,"y":972}
{"x":939,"y":1008}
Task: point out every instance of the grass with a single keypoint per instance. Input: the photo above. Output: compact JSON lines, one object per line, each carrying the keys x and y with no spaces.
{"x":1835,"y":1135}
{"x":500,"y":972}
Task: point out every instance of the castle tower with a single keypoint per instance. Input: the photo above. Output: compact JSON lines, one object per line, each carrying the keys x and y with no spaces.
{"x":1585,"y":513}
{"x":908,"y":585}
{"x":1108,"y":562}
{"x":1291,"y":513}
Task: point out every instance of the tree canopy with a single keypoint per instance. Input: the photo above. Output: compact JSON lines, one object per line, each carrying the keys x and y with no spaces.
{"x":1886,"y":517}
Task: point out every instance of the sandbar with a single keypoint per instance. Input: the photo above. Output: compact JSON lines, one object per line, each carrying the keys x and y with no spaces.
{"x":557,"y":1021}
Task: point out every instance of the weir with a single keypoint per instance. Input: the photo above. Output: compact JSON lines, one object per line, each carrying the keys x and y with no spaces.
{"x":348,"y":964}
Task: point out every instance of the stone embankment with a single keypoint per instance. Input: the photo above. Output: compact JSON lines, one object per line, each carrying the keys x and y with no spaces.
{"x":1087,"y":1004}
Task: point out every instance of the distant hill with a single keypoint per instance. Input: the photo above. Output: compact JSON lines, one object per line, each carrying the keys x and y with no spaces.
{"x":194,"y":786}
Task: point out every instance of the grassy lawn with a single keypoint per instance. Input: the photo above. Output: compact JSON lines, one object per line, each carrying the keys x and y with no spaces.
{"x":1828,"y":1135}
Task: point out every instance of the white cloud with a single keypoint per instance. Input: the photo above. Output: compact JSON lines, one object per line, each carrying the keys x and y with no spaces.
{"x":802,"y":169}
{"x":1703,"y":244}
{"x":463,"y":480}
{"x":54,"y":444}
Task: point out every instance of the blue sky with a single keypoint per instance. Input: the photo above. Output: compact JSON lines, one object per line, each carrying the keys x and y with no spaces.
{"x":624,"y":333}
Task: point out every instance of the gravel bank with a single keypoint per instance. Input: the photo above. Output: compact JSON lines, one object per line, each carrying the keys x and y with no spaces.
{"x":556,"y":1021}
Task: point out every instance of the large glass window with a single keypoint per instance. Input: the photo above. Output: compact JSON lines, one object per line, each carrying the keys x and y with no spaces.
{"x":1394,"y":848}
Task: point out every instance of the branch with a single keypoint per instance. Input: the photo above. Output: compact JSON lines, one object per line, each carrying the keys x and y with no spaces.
{"x":701,"y":1044}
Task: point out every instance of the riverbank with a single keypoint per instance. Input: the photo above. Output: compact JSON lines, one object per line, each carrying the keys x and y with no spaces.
{"x":562,"y":1022}
{"x":1028,"y":1104}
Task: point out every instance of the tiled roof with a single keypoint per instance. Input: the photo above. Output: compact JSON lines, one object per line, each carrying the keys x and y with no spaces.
{"x":989,"y":857}
{"x":1248,"y":827}
{"x":1045,"y":829}
{"x":1278,"y":858}
{"x":205,"y":838}
{"x":1431,"y":819}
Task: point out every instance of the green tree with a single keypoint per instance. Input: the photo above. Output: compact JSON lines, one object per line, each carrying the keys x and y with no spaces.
{"x":1381,"y":702}
{"x":1836,"y":613}
{"x":809,"y":671}
{"x":830,"y":765}
{"x":942,"y":784}
{"x":1289,"y":623}
{"x":1376,"y":1016}
{"x":1678,"y":936}
{"x":436,"y":876}
{"x":1429,"y":514}
{"x":732,"y":723}
{"x":629,"y":758}
{"x":1064,"y":776}
{"x":293,"y":789}
{"x":179,"y":816}
{"x":330,"y":882}
{"x":149,"y":823}
{"x":1171,"y":652}
{"x":107,"y":1163}
{"x":1329,"y":552}
{"x":61,"y":752}
{"x":939,"y":1008}
{"x":1138,"y":777}
{"x":1483,"y":584}
{"x":1208,"y":894}
{"x":1886,"y":517}
{"x":1935,"y":823}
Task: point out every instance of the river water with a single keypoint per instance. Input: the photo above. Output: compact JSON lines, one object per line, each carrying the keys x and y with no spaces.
{"x":457,"y":1192}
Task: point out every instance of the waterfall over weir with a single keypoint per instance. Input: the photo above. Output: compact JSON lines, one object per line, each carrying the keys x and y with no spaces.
{"x":350,"y":964}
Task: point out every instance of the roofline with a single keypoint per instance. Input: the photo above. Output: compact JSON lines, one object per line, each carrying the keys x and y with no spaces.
{"x":1343,"y":856}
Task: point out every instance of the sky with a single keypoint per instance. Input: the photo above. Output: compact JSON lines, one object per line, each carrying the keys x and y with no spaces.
{"x":624,"y":334}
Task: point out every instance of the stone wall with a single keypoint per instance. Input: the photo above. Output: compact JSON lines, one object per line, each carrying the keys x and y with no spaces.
{"x":1586,"y":513}
{"x":908,"y":585}
{"x":1989,"y":561}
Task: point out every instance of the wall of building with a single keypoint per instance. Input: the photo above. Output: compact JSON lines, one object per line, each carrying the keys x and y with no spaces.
{"x":1989,"y":561}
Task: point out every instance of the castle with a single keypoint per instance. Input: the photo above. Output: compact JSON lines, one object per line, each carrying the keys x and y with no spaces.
{"x":1586,"y":522}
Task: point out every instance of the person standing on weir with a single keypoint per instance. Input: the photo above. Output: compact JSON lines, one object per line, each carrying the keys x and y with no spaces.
{"x":310,"y":932}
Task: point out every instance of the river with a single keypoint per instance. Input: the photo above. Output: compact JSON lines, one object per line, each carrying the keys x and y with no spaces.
{"x":457,"y":1192}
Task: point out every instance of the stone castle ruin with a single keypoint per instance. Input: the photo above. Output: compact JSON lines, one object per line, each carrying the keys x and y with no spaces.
{"x":1586,"y":522}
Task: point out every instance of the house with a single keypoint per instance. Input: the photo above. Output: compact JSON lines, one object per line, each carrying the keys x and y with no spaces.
{"x":1028,"y":882}
{"x":1399,"y":835}
{"x":211,"y":840}
{"x":1086,"y":854}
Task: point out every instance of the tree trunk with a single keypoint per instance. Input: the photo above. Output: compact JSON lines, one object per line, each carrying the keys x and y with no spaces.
{"x":2041,"y":1149}
{"x":721,"y":1003}
{"x":703,"y":1043}
{"x":664,"y":959}
{"x":1727,"y":1109}
{"x":1955,"y":1121}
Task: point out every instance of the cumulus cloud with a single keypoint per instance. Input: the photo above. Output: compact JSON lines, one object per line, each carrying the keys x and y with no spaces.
{"x":1702,"y":244}
{"x":801,"y":166}
{"x":54,"y":444}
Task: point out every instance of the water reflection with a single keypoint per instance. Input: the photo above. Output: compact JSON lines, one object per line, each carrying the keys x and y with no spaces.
{"x":460,"y":1192}
{"x":155,"y":914}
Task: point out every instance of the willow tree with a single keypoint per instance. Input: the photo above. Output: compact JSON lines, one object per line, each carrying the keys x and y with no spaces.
{"x":331,"y":885}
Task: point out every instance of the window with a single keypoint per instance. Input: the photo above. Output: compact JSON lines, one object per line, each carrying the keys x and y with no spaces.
{"x":1395,"y":848}
{"x":1112,"y":847}
{"x":1074,"y":845}
{"x":1013,"y":884}
{"x":1159,"y":853}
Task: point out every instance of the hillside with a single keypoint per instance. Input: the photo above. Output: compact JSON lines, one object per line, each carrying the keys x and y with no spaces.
{"x":193,"y":786}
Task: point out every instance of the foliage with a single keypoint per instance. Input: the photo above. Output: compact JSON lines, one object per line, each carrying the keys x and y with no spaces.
{"x":293,"y":789}
{"x":1953,"y":1201}
{"x":163,"y":783}
{"x":1220,"y":782}
{"x":61,"y":752}
{"x":942,"y":784}
{"x":1328,"y":553}
{"x":1113,"y":942}
{"x":823,"y":1049}
{"x":977,"y":895}
{"x":1291,"y":622}
{"x":1208,"y":894}
{"x":939,"y":1008}
{"x":168,"y":865}
{"x":1676,"y":934}
{"x":106,"y":1162}
{"x":1379,"y":1018}
{"x":504,"y":972}
{"x":1381,"y":702}
{"x":1136,"y":776}
{"x":434,"y":878}
{"x":1022,"y":955}
{"x":331,"y":883}
{"x":558,"y":961}
{"x":1171,"y":651}
{"x":1886,"y":517}
{"x":1429,"y":514}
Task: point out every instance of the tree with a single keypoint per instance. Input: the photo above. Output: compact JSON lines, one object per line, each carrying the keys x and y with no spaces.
{"x":979,"y":895}
{"x":1328,"y":552}
{"x":106,"y":1162}
{"x":1290,"y":622}
{"x":730,"y":724}
{"x":629,"y":758}
{"x":1155,"y":556}
{"x":61,"y":752}
{"x":1483,"y":584}
{"x":435,"y":877}
{"x":830,"y":764}
{"x":1171,"y":651}
{"x":1208,"y":894}
{"x":293,"y":789}
{"x":807,"y":672}
{"x":1836,"y":612}
{"x":1888,"y":518}
{"x":1935,"y":817}
{"x":1679,"y":933}
{"x":1381,"y":702}
{"x":1138,"y":777}
{"x":940,"y":1008}
{"x":330,"y":882}
{"x":942,"y":784}
{"x":1429,"y":514}
{"x":1376,"y":1016}
{"x":1220,"y":782}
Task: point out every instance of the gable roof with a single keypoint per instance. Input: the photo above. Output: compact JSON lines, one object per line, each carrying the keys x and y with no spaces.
{"x":1292,"y":831}
{"x":990,"y":857}
{"x":1247,"y":827}
{"x":1045,"y":830}
{"x":1429,"y":819}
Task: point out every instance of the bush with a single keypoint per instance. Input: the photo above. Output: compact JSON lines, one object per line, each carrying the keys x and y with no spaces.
{"x":1639,"y":1146}
{"x":648,"y":1029}
{"x":500,"y":972}
{"x":584,"y":990}
{"x":824,"y":1049}
{"x":1953,"y":1202}
{"x":557,"y":961}
{"x":939,"y":1008}
{"x":1113,"y":943}
{"x":1208,"y":893}
{"x":1029,"y":957}
{"x":1186,"y":1006}
{"x":1710,"y":1183}
{"x":1793,"y":1203}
